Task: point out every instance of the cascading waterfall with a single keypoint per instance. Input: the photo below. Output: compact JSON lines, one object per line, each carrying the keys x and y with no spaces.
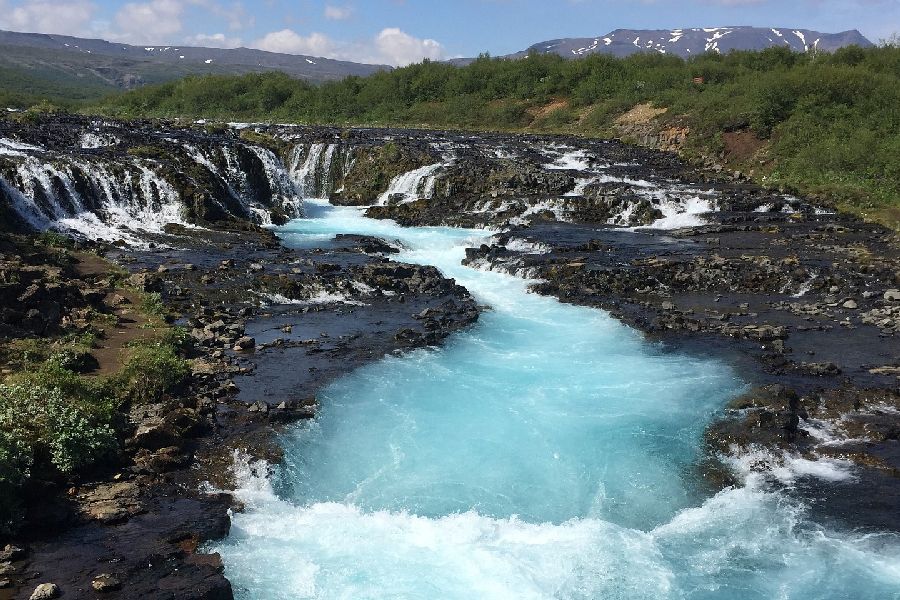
{"x":311,"y":168}
{"x":680,"y":205}
{"x":417,"y":184}
{"x":136,"y":199}
{"x":116,"y":199}
{"x":546,"y":453}
{"x":286,"y":194}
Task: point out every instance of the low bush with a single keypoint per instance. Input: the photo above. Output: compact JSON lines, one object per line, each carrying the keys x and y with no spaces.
{"x":152,"y":370}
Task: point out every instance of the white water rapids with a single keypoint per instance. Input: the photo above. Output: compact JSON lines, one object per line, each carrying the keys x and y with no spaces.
{"x":548,"y":452}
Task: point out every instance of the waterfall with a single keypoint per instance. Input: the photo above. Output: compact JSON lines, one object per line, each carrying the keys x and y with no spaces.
{"x":312,"y":170}
{"x":13,"y":148}
{"x":413,"y":185}
{"x":84,"y":197}
{"x":284,"y":191}
{"x":286,"y":194}
{"x":24,"y":206}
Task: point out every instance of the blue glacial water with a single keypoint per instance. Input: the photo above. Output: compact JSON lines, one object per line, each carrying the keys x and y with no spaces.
{"x":545,"y":453}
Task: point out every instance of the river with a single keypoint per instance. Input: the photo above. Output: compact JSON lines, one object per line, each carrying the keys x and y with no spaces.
{"x":548,"y":452}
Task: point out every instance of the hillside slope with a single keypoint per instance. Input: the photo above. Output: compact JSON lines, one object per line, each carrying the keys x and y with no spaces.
{"x":824,"y":124}
{"x":55,"y":64}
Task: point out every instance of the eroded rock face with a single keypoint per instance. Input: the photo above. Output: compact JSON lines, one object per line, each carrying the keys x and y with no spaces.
{"x":39,"y":288}
{"x":373,"y":167}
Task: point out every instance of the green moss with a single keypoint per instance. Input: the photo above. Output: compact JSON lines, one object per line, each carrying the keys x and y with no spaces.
{"x":278,"y":146}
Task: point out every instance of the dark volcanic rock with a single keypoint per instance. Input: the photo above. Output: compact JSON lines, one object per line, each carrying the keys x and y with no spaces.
{"x":331,"y":311}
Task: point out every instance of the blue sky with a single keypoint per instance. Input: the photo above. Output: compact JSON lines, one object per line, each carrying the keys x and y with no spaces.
{"x":402,"y":31}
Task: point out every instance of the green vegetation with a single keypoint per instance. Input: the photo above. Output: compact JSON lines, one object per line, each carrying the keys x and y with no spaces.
{"x":827,"y":124}
{"x":152,"y":369}
{"x":21,"y":88}
{"x":55,"y":423}
{"x":59,"y":418}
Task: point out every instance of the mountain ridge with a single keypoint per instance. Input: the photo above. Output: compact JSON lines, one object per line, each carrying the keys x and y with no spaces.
{"x":687,"y":42}
{"x":112,"y":65}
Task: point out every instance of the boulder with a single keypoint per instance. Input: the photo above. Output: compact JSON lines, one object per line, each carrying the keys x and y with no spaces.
{"x":145,"y":282}
{"x":11,"y":552}
{"x":244,"y":344}
{"x":45,"y":591}
{"x":106,"y":583}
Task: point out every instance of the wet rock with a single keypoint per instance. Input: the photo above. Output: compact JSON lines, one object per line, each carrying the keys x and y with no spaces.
{"x":258,"y":407}
{"x":45,"y":591}
{"x":820,"y":369}
{"x":106,"y":583}
{"x":12,"y":553}
{"x":244,"y":344}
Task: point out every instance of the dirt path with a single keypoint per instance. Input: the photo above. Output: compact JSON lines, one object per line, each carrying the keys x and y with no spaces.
{"x":130,"y":324}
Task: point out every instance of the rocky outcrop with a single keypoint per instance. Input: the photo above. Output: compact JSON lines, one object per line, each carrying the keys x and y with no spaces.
{"x":105,"y":180}
{"x":40,"y":289}
{"x":374,"y":167}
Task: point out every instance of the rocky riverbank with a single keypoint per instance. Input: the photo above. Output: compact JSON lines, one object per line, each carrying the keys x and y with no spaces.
{"x":268,"y":328}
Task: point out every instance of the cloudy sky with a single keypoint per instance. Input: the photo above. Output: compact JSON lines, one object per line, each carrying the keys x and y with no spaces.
{"x":402,"y":31}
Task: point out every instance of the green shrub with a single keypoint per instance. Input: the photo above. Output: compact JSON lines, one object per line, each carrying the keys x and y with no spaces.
{"x":152,"y":370}
{"x":152,"y":304}
{"x":15,"y":464}
{"x":42,"y":421}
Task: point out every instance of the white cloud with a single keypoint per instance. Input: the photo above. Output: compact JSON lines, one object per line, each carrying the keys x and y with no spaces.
{"x":291,"y":42}
{"x":213,"y":40}
{"x":392,"y":46}
{"x":151,"y":22}
{"x":338,"y":13}
{"x":46,"y":16}
{"x":400,"y":48}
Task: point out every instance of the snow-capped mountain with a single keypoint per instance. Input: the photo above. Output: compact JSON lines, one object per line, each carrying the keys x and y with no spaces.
{"x":691,"y":42}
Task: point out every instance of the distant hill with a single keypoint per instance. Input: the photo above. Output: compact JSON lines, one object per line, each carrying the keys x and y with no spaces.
{"x":691,"y":42}
{"x":42,"y":63}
